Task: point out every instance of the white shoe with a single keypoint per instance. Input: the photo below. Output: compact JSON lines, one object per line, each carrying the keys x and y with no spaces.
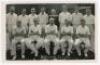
{"x":79,"y":54}
{"x":14,"y":58}
{"x":48,"y":53}
{"x":23,"y":56}
{"x":42,"y":57}
{"x":54,"y":53}
{"x":36,"y":54}
{"x":85,"y":54}
{"x":63,"y":54}
{"x":68,"y":54}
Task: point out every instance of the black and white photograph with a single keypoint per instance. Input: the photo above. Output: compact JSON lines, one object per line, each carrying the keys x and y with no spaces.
{"x":50,"y":31}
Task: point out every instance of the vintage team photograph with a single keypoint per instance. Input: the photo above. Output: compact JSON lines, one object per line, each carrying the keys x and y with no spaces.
{"x":50,"y":31}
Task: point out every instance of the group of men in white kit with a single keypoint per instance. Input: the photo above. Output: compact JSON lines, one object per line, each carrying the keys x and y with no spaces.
{"x":35,"y":31}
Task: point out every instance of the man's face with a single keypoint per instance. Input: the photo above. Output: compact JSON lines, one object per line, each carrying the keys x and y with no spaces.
{"x":64,"y":8}
{"x":33,"y":10}
{"x":76,"y":10}
{"x":83,"y":22}
{"x":12,"y":9}
{"x":51,"y":20}
{"x":43,"y":9}
{"x":24,"y":11}
{"x":88,"y":11}
{"x":53,"y":11}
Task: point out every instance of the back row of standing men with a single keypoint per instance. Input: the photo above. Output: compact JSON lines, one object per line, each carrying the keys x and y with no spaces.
{"x":42,"y":17}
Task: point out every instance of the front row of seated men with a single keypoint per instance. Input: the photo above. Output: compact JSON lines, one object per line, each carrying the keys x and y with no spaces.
{"x":35,"y":40}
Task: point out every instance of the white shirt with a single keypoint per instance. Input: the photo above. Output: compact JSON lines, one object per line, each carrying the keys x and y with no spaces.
{"x":76,"y":17}
{"x":24,"y":19}
{"x":34,"y":29}
{"x":67,"y":29}
{"x":11,"y":18}
{"x":89,"y":19}
{"x":43,"y":18}
{"x":82,"y":30}
{"x":63,"y":16}
{"x":50,"y":28}
{"x":11,"y":21}
{"x":31,"y":18}
{"x":18,"y":30}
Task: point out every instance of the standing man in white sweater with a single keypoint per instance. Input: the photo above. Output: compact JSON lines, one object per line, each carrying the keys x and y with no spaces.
{"x":64,"y":15}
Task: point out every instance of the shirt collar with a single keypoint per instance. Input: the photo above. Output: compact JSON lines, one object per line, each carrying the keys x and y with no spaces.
{"x":64,"y":12}
{"x":33,"y":15}
{"x":23,"y":15}
{"x":43,"y":13}
{"x":89,"y":15}
{"x":11,"y":14}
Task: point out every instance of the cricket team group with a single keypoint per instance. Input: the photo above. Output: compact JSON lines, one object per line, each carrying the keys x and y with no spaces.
{"x":39,"y":30}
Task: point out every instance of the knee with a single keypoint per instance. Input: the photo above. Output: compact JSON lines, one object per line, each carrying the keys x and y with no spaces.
{"x":57,"y":41}
{"x":23,"y":40}
{"x":61,"y":41}
{"x":46,"y":41}
{"x":41,"y":41}
{"x":77,"y":42}
{"x":71,"y":41}
{"x":87,"y":45}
